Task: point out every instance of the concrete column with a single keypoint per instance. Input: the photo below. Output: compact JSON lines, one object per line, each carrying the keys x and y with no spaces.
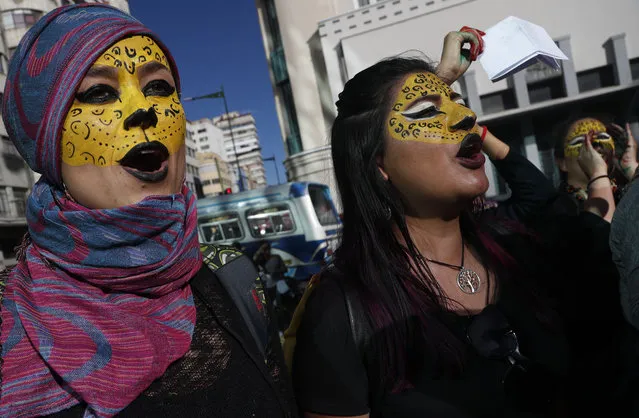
{"x":518,"y":82}
{"x":634,"y":128}
{"x":568,"y":68}
{"x":493,"y":184}
{"x":617,"y":55}
{"x":469,"y":84}
{"x":531,"y":151}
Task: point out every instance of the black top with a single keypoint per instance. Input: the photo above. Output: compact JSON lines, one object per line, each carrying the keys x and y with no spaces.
{"x":585,"y":285}
{"x":531,"y":191}
{"x":218,"y":376}
{"x":331,"y":377}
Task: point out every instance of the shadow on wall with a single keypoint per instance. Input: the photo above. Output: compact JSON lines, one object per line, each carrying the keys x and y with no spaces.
{"x":321,"y":74}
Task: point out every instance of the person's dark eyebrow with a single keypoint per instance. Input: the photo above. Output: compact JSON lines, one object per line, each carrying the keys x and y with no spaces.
{"x":102,"y":71}
{"x":150,"y":68}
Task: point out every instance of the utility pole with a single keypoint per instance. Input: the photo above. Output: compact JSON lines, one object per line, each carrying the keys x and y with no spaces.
{"x":277,"y":172}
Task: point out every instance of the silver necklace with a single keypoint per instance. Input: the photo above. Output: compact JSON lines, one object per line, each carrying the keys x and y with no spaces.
{"x":468,"y":280}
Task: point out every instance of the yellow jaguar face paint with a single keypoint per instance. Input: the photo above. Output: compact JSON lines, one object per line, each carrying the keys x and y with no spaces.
{"x":426,"y":110}
{"x":577,"y":135}
{"x":127,"y":98}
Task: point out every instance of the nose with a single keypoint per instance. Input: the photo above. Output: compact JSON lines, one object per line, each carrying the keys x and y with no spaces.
{"x":466,"y":124}
{"x":141,"y":118}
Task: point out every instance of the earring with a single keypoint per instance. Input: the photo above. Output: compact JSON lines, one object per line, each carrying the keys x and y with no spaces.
{"x":388,"y":213}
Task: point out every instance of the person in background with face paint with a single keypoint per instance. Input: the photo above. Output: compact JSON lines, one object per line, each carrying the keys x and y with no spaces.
{"x":575,"y":228}
{"x":429,"y":309}
{"x":99,"y":317}
{"x":596,"y":161}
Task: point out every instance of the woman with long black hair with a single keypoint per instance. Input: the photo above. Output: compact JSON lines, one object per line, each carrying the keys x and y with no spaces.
{"x":431,"y":307}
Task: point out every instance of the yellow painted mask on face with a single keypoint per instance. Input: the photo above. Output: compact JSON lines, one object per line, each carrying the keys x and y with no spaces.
{"x":577,"y":135}
{"x":135,"y":103}
{"x":426,"y":110}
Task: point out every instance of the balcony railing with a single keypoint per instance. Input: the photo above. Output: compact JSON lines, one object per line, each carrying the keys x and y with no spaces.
{"x":12,"y":209}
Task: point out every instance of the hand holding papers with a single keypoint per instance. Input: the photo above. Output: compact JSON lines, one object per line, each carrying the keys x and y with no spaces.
{"x":514,"y":44}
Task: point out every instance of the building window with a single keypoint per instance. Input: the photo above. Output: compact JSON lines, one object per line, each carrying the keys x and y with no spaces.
{"x":205,"y":147}
{"x":5,"y":210}
{"x":223,"y":227}
{"x":20,"y":18}
{"x":498,"y":102}
{"x":273,"y":220}
{"x":548,"y":89}
{"x":20,"y":201}
{"x":363,"y":3}
{"x":634,"y":68}
{"x":293,"y":139}
{"x":596,"y":78}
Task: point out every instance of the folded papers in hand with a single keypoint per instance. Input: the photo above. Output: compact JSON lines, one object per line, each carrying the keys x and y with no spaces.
{"x":514,"y":44}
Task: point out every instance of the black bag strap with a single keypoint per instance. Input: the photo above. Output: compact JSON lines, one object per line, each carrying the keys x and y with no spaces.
{"x":360,"y":325}
{"x":363,"y":333}
{"x":239,"y":277}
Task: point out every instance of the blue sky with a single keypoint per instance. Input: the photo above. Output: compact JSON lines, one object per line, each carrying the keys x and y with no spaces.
{"x":217,"y":42}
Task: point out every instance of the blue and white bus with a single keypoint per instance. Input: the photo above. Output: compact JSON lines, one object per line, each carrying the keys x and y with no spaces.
{"x":299,"y":220}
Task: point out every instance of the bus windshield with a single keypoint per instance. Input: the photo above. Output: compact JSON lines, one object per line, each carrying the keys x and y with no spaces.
{"x":322,"y":204}
{"x":270,"y":221}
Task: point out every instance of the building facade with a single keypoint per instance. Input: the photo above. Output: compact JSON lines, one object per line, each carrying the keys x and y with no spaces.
{"x":207,"y":137}
{"x":16,"y":179}
{"x":215,"y":174}
{"x":601,"y":76}
{"x":242,"y":146}
{"x":193,"y":181}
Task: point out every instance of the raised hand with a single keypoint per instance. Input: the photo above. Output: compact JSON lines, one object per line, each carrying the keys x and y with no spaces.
{"x":456,"y":59}
{"x":590,"y":161}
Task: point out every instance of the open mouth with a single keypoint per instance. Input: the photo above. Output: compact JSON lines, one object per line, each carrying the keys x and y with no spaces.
{"x":469,"y":154}
{"x":147,"y":161}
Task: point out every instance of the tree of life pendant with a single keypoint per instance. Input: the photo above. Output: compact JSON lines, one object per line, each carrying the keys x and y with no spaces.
{"x":468,"y":281}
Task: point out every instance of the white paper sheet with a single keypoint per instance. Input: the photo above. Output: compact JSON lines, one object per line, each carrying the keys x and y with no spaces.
{"x":515,"y":44}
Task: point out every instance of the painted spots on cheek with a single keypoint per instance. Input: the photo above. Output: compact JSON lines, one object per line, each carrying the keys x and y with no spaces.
{"x":94,"y":133}
{"x":430,"y":129}
{"x":581,"y":128}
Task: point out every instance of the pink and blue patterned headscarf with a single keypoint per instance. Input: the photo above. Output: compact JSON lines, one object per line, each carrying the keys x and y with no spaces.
{"x":99,"y":305}
{"x":46,"y":70}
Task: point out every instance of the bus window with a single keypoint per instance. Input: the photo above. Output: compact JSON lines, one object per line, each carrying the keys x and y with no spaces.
{"x":270,"y":221}
{"x":321,"y":199}
{"x":222,"y":227}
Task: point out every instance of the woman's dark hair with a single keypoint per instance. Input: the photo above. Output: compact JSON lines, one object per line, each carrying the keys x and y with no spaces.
{"x":400,"y":295}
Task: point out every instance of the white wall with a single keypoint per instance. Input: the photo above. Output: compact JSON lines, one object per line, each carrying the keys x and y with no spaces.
{"x":589,"y":23}
{"x":298,"y":23}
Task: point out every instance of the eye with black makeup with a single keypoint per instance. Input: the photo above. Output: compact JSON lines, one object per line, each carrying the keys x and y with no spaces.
{"x":429,"y":112}
{"x":158,"y":88}
{"x":98,"y":94}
